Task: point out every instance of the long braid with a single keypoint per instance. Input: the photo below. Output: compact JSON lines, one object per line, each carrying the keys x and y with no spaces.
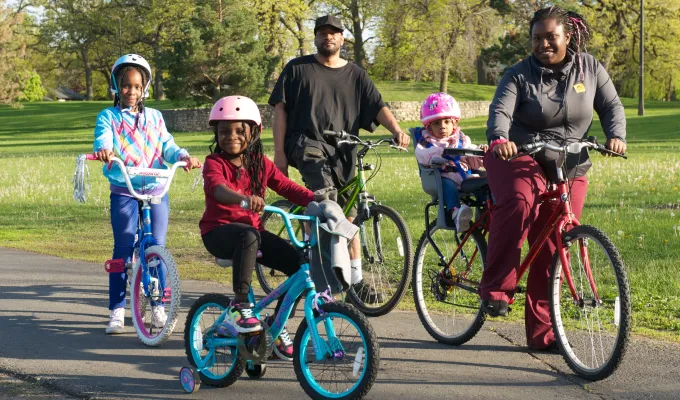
{"x":573,"y":24}
{"x":253,"y":162}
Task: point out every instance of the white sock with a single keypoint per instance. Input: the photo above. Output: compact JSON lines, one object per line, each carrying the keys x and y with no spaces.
{"x":356,"y":270}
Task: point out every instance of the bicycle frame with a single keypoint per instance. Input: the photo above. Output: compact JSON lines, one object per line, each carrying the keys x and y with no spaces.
{"x":294,"y":287}
{"x":561,"y":218}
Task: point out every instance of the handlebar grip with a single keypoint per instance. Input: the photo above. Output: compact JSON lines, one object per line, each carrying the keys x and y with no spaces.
{"x":91,"y":157}
{"x":340,"y":135}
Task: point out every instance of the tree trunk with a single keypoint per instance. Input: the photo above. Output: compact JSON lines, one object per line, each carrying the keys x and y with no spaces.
{"x":89,"y":94}
{"x":158,"y":93}
{"x":300,"y":36}
{"x":359,"y":56}
{"x":444,"y":78}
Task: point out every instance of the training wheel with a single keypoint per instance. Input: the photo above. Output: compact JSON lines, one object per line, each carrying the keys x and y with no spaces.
{"x":189,"y":379}
{"x":257,"y":371}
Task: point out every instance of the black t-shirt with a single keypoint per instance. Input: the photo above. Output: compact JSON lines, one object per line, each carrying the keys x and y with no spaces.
{"x":319,"y":98}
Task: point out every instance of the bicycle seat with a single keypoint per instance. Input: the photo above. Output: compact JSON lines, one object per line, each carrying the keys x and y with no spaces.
{"x":471,"y":185}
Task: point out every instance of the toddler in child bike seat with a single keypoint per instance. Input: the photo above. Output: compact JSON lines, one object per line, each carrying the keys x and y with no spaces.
{"x":138,"y":136}
{"x":234,"y":172}
{"x":440,"y":114}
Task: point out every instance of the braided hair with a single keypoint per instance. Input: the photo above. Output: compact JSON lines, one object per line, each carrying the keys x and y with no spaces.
{"x":573,"y":23}
{"x":120,"y":75}
{"x":252,"y":156}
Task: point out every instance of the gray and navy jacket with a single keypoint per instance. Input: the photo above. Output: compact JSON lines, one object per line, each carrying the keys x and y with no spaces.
{"x":536,"y":103}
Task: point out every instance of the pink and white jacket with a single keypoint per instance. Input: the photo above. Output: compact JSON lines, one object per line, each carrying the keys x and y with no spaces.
{"x":434,"y":147}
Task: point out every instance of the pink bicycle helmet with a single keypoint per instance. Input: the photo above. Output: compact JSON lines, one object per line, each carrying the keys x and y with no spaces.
{"x":439,"y":106}
{"x":235,"y":108}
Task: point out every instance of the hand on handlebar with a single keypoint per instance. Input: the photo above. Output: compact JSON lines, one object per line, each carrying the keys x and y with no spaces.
{"x":400,"y":139}
{"x":104,"y":155}
{"x":191,"y":163}
{"x":505,"y":150}
{"x":255,"y":203}
{"x":615,"y":145}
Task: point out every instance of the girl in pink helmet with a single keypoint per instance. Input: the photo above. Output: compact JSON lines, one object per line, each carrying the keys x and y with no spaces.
{"x":138,"y":136}
{"x":440,"y":114}
{"x":238,"y":171}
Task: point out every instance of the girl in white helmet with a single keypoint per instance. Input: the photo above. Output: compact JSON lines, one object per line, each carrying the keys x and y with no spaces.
{"x":138,"y":136}
{"x":238,"y":171}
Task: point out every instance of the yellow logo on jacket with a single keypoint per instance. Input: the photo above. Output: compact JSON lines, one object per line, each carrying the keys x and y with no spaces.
{"x":580,"y":88}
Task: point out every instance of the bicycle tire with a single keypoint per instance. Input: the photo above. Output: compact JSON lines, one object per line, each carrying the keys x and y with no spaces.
{"x":371,"y":265}
{"x":365,"y":362}
{"x":270,"y":278}
{"x":612,"y":290}
{"x":192,"y":331}
{"x":435,"y":314}
{"x":139,"y":307}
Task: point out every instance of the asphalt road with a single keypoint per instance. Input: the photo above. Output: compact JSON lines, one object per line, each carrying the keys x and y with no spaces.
{"x":53,"y":314}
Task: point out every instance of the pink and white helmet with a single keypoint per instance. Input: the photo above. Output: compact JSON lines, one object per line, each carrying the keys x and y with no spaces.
{"x":235,"y":108}
{"x":133,"y":60}
{"x":439,"y":106}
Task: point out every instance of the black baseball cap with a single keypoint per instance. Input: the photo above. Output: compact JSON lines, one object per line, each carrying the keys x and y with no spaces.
{"x":328,"y":20}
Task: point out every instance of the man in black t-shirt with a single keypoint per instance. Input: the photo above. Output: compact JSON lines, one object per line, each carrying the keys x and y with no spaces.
{"x":324,"y":92}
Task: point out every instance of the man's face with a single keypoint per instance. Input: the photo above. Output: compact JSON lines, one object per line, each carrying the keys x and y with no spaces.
{"x":328,"y":41}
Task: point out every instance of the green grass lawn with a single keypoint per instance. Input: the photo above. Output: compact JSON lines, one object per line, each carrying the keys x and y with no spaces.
{"x":636,"y":201}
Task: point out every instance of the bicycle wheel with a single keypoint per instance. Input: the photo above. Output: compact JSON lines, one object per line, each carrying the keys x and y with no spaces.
{"x":351,"y":369}
{"x":225,"y":365}
{"x":270,"y":278}
{"x":450,"y":314}
{"x":387,"y":259}
{"x":593,"y":334}
{"x":164,"y":291}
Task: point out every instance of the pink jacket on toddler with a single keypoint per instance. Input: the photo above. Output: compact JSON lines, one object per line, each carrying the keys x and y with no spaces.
{"x":430,"y":147}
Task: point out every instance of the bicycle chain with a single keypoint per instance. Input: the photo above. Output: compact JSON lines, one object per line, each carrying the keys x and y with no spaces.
{"x":258,"y":352}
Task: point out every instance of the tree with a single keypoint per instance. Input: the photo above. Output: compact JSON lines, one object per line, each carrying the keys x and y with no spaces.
{"x":359,"y":16}
{"x":32,"y":89}
{"x":217,"y":54}
{"x":13,"y":68}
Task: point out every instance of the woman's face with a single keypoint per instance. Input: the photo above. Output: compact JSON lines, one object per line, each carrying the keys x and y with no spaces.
{"x":233,"y":136}
{"x":549,"y":42}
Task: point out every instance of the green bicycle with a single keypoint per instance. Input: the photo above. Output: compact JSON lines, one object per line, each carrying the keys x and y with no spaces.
{"x":386,"y":245}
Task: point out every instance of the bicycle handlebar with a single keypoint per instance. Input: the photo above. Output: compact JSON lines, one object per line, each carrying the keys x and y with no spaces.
{"x":352,"y":139}
{"x":287,"y":221}
{"x":590,"y":143}
{"x":464,"y":152}
{"x":136,"y":171}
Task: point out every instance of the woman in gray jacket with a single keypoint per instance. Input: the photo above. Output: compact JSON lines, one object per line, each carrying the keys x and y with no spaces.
{"x":550,"y":96}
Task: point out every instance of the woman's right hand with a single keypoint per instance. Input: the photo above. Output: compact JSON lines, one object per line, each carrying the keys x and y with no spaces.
{"x":256,"y":203}
{"x":505,"y":150}
{"x":104,"y":155}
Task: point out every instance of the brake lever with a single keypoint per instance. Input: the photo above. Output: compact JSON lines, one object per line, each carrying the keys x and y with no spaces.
{"x":399,"y":148}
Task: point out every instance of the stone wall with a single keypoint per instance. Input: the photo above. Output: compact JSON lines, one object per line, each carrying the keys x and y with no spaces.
{"x":196,"y":120}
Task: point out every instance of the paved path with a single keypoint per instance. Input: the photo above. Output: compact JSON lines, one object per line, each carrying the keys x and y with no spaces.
{"x":53,"y":314}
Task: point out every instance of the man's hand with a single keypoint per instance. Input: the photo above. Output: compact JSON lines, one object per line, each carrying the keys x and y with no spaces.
{"x":281,"y":162}
{"x":615,"y":145}
{"x":256,"y":203}
{"x":401,"y":139}
{"x":191,"y":163}
{"x":505,"y":150}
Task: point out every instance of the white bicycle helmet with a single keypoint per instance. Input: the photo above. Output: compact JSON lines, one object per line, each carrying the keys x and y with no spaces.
{"x":134,"y":60}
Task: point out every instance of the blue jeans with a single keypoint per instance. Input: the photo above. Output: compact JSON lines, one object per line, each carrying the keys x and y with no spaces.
{"x":124,"y":217}
{"x":451,"y":196}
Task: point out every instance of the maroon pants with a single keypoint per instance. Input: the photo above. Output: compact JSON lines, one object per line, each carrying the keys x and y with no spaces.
{"x":516,"y":187}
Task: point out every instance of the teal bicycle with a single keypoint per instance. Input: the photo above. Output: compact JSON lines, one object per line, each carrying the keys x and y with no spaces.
{"x":336,"y":354}
{"x":386,"y":245}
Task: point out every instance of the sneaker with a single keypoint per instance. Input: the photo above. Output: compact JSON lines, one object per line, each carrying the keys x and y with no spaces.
{"x":367,"y":293}
{"x":159,"y":316}
{"x":462,"y":217}
{"x":117,"y":322}
{"x":495,"y":308}
{"x":240,"y":319}
{"x":283,"y":346}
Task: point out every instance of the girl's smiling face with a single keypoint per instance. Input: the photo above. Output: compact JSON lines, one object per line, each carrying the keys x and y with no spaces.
{"x":233,"y":136}
{"x":131,"y":88}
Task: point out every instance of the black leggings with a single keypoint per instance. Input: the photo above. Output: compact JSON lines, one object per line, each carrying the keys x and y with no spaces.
{"x":240,"y":242}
